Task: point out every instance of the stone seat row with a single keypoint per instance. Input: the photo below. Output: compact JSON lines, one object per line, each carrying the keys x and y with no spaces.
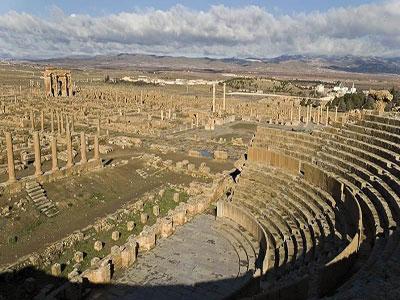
{"x":341,"y":162}
{"x":379,"y":210}
{"x":371,"y":175}
{"x":243,"y":243}
{"x":290,"y":236}
{"x":387,"y":183}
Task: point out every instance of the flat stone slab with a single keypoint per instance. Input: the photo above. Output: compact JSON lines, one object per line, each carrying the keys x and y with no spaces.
{"x":197,"y":262}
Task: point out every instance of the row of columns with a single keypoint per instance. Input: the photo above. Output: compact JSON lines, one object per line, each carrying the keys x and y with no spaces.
{"x":214,"y":108}
{"x":318,"y":114}
{"x":59,"y":118}
{"x":38,"y":163}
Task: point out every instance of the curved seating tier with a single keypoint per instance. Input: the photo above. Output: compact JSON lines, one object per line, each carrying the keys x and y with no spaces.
{"x":329,"y":203}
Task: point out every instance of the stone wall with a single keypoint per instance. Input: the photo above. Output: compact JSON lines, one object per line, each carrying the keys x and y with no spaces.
{"x":274,"y":159}
{"x":319,"y":178}
{"x":338,"y":269}
{"x":124,"y":256}
{"x":247,"y":221}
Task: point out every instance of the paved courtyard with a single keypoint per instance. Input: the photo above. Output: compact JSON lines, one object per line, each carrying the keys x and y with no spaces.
{"x":197,"y":262}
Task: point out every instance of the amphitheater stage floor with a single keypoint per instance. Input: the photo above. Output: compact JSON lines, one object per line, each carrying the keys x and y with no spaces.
{"x":197,"y":262}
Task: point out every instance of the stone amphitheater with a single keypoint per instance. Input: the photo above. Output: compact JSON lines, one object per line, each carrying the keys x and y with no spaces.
{"x":307,"y":214}
{"x":324,"y":205}
{"x":235,"y":200}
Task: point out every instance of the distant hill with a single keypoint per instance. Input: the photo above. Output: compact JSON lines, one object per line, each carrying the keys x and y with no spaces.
{"x":285,"y":63}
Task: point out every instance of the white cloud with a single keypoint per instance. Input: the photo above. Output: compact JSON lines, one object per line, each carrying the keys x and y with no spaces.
{"x":371,"y":29}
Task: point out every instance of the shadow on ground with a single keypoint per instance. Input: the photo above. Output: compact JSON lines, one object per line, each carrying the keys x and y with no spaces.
{"x":30,"y":283}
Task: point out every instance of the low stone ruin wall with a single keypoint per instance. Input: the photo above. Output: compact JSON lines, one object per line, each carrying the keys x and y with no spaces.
{"x":51,"y":176}
{"x":124,"y":256}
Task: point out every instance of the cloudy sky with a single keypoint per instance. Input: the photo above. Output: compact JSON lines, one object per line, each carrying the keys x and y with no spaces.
{"x":45,"y":28}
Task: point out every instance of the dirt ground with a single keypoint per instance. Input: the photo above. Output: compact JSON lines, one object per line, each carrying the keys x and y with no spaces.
{"x":84,"y":198}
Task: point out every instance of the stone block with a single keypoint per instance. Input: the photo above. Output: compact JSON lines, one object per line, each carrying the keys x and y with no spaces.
{"x":94,"y":261}
{"x":56,"y":269}
{"x":166,"y":227}
{"x":176,"y":197}
{"x":146,"y":240}
{"x":115,"y":235}
{"x":156,"y":210}
{"x":191,"y":167}
{"x":130,"y":225}
{"x":191,"y":208}
{"x":101,"y":274}
{"x":74,"y":273}
{"x":206,"y":170}
{"x":179,"y":218}
{"x":78,"y":256}
{"x":194,"y":153}
{"x":201,"y":206}
{"x":143,"y":218}
{"x":220,"y":155}
{"x":128,"y":255}
{"x":98,"y":245}
{"x":116,"y":257}
{"x":139,"y":205}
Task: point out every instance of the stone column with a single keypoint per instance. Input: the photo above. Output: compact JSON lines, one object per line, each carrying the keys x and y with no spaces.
{"x":42,"y":120}
{"x":327,"y":116}
{"x":83,"y":148}
{"x":291,"y":114}
{"x":162,"y":115}
{"x":32,"y":117}
{"x":98,"y":126}
{"x":224,"y":99}
{"x":307,"y":107}
{"x":38,"y":160}
{"x":70,"y":159}
{"x":52,"y":121}
{"x":72,"y":124}
{"x":336,"y":108}
{"x":96,"y":148}
{"x":58,"y":122}
{"x":318,"y":115}
{"x":320,"y":112}
{"x":10,"y":159}
{"x":54,"y":159}
{"x":62,"y":123}
{"x":213,"y":103}
{"x":299,"y":113}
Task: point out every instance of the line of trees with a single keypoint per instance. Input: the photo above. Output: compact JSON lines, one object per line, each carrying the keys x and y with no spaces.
{"x":396,"y":100}
{"x":353,"y":101}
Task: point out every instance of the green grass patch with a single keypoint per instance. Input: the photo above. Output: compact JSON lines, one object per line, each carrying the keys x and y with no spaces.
{"x":166,"y":203}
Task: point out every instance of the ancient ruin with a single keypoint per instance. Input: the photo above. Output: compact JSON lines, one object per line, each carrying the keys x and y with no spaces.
{"x":158,"y":183}
{"x":57,"y":83}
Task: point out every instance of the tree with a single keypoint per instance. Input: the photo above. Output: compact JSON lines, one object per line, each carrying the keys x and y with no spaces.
{"x":342,"y":104}
{"x":369,"y":103}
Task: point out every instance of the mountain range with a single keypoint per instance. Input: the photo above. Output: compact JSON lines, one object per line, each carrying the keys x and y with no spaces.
{"x":284,"y":63}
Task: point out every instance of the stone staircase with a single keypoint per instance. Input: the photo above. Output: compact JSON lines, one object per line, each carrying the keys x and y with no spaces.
{"x":38,"y":196}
